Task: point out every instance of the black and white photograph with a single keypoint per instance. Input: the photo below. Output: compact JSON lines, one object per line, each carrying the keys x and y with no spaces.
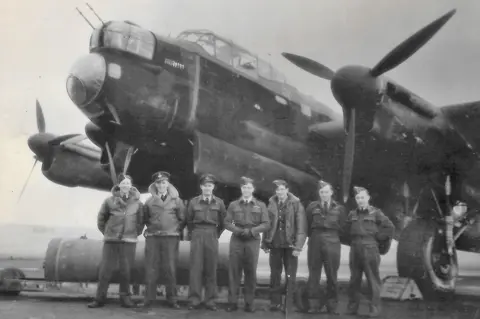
{"x":242,"y":159}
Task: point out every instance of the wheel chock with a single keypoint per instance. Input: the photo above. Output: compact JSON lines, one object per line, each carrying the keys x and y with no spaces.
{"x":400,"y":288}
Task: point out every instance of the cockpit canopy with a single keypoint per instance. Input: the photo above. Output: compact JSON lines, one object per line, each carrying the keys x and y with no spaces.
{"x":232,"y":54}
{"x":124,"y":36}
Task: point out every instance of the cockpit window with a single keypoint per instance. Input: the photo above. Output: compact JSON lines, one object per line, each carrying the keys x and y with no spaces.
{"x":232,"y":54}
{"x":127,"y":37}
{"x":277,"y":76}
{"x":264,"y":69}
{"x":95,"y":38}
{"x":223,"y":51}
{"x":208,"y":43}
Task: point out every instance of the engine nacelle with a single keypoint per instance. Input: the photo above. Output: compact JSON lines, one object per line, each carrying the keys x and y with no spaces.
{"x":70,"y":169}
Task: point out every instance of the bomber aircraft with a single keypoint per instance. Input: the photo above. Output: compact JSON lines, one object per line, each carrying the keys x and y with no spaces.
{"x":200,"y":103}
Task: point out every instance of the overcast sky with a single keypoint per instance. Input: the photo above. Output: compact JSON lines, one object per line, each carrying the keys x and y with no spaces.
{"x":42,"y":39}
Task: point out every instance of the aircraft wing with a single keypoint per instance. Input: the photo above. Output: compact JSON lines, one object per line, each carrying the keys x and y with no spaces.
{"x":466,"y":118}
{"x":331,"y":130}
{"x":83,"y":146}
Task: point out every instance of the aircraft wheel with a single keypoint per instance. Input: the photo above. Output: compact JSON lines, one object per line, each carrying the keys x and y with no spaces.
{"x":10,"y":281}
{"x":301,"y":297}
{"x":421,"y":255}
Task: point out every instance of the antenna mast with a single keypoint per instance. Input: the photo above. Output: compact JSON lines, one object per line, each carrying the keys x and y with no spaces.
{"x":84,"y":17}
{"x":95,"y":13}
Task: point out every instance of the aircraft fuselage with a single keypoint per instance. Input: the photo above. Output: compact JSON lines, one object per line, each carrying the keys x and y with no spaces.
{"x":196,"y":114}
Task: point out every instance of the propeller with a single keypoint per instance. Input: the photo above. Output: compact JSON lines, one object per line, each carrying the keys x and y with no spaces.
{"x":349,"y":156}
{"x":113,"y":174}
{"x":40,"y":118}
{"x":344,"y":86}
{"x":406,"y":204}
{"x":41,"y":129}
{"x":128,"y":158}
{"x":406,"y":196}
{"x":310,"y":66}
{"x":411,"y":45}
{"x":28,"y":178}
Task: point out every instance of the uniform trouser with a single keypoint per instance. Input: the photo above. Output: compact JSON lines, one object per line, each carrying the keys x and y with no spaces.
{"x":243,"y":257}
{"x":203,"y":264}
{"x":161,"y":253}
{"x":280,"y":258}
{"x":364,"y":258}
{"x":115,"y":254}
{"x":323,"y":252}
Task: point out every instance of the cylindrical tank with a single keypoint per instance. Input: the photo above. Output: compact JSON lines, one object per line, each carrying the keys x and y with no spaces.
{"x":78,"y":260}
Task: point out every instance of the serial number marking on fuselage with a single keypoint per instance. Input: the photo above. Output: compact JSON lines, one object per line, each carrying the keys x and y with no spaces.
{"x":175,"y":64}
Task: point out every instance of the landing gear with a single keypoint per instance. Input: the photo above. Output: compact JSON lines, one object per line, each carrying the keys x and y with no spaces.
{"x":423,"y":255}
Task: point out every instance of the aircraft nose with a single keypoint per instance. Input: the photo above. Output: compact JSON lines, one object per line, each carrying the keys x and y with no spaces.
{"x":38,"y":143}
{"x":86,"y":79}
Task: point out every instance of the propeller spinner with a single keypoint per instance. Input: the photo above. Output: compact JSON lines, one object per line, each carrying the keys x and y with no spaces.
{"x":348,"y":84}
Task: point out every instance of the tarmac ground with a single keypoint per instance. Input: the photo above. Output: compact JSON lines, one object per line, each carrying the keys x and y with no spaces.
{"x":33,"y":305}
{"x":69,"y":301}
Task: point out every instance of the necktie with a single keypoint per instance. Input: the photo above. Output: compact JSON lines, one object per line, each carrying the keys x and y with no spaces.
{"x":207,"y":200}
{"x":164,"y":197}
{"x":325,"y":206}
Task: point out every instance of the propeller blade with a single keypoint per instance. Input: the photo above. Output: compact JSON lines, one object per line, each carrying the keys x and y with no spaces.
{"x":411,"y":45}
{"x":349,"y":156}
{"x":406,"y":195}
{"x":128,"y":159}
{"x":406,"y":190}
{"x":310,"y":66}
{"x":448,"y":186}
{"x":40,"y":118}
{"x":28,"y":178}
{"x":113,"y":174}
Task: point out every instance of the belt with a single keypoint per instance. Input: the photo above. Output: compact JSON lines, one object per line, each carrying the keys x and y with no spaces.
{"x":204,"y":225}
{"x":364,"y":238}
{"x":244,"y":227}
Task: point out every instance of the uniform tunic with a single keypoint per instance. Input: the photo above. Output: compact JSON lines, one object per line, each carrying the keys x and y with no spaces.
{"x":205,"y":225}
{"x":365,"y":228}
{"x":244,"y":249}
{"x":325,"y":221}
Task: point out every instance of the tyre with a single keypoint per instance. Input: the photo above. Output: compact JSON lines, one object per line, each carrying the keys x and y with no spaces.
{"x":421,"y":256}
